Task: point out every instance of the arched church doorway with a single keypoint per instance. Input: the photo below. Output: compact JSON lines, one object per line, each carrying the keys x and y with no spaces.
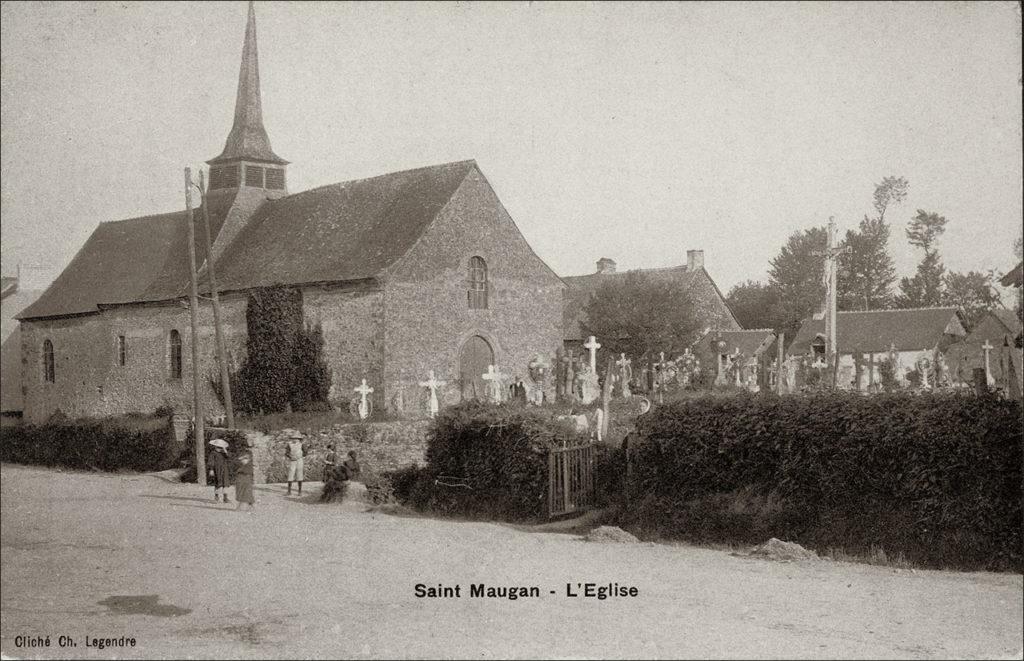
{"x":476,"y":356}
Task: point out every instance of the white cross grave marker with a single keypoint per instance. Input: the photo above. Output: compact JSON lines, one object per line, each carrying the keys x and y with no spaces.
{"x":433,"y":384}
{"x":593,"y":346}
{"x":989,"y":379}
{"x":494,"y":378}
{"x":364,"y":408}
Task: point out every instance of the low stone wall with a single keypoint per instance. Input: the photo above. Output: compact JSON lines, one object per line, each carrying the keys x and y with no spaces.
{"x":379,"y":446}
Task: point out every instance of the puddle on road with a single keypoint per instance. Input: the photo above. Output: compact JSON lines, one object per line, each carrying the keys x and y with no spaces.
{"x":142,"y":604}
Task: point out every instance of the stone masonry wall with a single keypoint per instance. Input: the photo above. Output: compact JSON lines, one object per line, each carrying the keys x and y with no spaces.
{"x":353,"y":328}
{"x":90,"y":382}
{"x":428,"y":319}
{"x":379,"y":446}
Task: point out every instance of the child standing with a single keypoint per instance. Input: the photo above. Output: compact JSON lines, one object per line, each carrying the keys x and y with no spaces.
{"x":218,"y":463}
{"x":243,"y":482}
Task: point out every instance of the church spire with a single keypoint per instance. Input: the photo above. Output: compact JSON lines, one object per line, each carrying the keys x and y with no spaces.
{"x":248,"y":141}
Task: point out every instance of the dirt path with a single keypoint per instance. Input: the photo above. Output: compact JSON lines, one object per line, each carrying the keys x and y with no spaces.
{"x":297,"y":579}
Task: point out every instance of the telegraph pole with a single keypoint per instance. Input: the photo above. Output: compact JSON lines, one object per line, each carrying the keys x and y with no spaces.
{"x":222,"y":354}
{"x":199,"y":430}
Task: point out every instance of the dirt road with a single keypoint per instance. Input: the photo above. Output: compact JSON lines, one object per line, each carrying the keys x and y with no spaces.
{"x":88,"y":556}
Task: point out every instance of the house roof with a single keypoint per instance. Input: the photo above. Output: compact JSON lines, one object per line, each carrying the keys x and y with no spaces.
{"x":1015,"y":277}
{"x":8,"y":285}
{"x":347,"y":231}
{"x":749,"y":342}
{"x":139,"y":259}
{"x":876,"y":330}
{"x":580,"y":287}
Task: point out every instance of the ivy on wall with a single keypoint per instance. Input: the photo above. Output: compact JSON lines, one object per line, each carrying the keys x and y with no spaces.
{"x":284,"y":368}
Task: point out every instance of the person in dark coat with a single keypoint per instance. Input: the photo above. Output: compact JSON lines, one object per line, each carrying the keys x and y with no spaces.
{"x":352,"y":465}
{"x":330,"y":462}
{"x":218,"y":469}
{"x":243,"y":482}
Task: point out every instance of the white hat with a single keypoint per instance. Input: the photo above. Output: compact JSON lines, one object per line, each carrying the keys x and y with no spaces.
{"x":295,"y":433}
{"x":219,"y":442}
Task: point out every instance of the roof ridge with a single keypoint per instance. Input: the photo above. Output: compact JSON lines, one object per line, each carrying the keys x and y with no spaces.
{"x":934,"y":307}
{"x":642,"y":270}
{"x":376,"y":176}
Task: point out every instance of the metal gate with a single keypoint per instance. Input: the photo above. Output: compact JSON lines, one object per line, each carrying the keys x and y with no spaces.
{"x":570,"y":479}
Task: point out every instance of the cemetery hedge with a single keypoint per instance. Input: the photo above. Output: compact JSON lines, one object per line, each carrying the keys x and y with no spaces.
{"x":133,"y":442}
{"x":485,"y":460}
{"x":935,"y":477}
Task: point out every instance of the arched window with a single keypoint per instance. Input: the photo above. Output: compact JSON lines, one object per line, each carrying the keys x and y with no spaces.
{"x":477,"y":285}
{"x":48,"y":372}
{"x":175,"y":342}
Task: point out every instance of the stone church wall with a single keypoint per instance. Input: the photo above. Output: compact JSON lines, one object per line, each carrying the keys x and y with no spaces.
{"x":353,"y":327}
{"x":88,"y":380}
{"x":426,"y":309}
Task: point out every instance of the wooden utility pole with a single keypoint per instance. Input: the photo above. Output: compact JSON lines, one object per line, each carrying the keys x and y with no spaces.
{"x":199,"y":430}
{"x":222,"y":354}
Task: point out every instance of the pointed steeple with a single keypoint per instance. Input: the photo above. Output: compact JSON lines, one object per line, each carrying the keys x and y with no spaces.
{"x":248,"y":139}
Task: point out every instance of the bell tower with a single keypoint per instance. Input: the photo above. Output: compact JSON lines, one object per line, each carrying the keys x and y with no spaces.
{"x":247,"y":159}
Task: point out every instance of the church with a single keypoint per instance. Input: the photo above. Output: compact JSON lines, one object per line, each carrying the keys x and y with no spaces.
{"x":405,"y":272}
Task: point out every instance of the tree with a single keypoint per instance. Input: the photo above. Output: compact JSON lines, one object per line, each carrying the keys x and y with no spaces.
{"x":973,"y":293}
{"x":924,"y":289}
{"x":755,"y":305}
{"x":311,"y":377}
{"x":866,"y":272}
{"x":796,"y":274}
{"x":640,"y":315}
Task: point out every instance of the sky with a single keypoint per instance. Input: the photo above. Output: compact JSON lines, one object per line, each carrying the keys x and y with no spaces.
{"x":634,"y":131}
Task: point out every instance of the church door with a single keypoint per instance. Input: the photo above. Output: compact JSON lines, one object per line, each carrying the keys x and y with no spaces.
{"x":476,"y":356}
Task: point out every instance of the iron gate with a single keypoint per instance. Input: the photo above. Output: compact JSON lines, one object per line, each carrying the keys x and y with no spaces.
{"x":570,"y":479}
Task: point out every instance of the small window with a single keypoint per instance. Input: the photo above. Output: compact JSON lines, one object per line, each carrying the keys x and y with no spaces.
{"x":175,"y":342}
{"x":477,"y":285}
{"x":48,"y":371}
{"x":275,"y":179}
{"x":122,"y":352}
{"x":254,"y":176}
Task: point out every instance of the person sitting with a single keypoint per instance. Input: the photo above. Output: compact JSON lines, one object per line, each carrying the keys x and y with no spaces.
{"x":352,"y":465}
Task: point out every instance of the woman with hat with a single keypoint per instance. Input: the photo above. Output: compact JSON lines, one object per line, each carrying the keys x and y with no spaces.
{"x":219,"y":469}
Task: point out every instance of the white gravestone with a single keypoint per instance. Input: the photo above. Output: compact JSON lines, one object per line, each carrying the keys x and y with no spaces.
{"x":433,"y":384}
{"x":592,"y":346}
{"x":493,"y":379}
{"x":364,"y":405}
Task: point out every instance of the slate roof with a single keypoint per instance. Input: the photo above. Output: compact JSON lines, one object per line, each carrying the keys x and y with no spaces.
{"x":874,"y":331}
{"x":8,"y":286}
{"x":134,"y":260}
{"x":580,"y":287}
{"x":747,"y":341}
{"x":1015,"y":277}
{"x":347,"y":231}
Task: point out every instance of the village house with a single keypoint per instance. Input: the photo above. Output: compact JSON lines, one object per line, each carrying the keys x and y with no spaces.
{"x":406,"y":273}
{"x":865,"y":339}
{"x":753,"y":349}
{"x":16,"y":293}
{"x":708,"y":302}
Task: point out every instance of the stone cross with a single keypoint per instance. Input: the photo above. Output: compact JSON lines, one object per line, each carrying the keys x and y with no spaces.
{"x":364,"y":408}
{"x":593,"y":346}
{"x":624,"y":375}
{"x":433,"y":384}
{"x":494,"y":378}
{"x":987,"y":348}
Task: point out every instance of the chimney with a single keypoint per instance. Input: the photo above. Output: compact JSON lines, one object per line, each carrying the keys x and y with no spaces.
{"x":605,"y":265}
{"x":694,"y":260}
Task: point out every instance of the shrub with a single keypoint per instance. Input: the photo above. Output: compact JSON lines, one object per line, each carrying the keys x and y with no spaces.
{"x":486,"y":460}
{"x":136,"y":442}
{"x":936,"y":476}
